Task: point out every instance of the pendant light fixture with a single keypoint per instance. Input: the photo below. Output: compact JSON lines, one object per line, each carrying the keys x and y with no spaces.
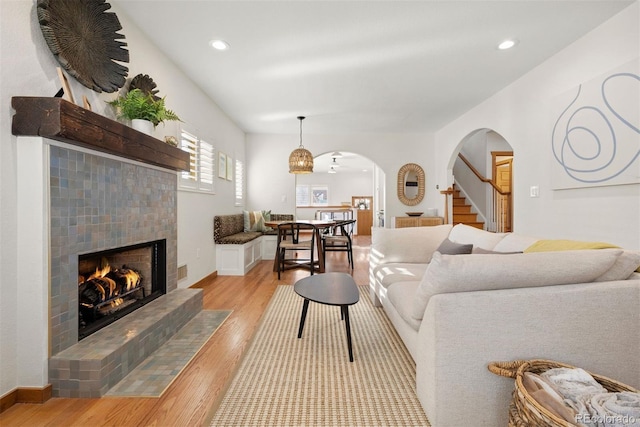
{"x":300,"y":159}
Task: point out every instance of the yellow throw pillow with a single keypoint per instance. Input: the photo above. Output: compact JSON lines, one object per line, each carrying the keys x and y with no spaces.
{"x":566,"y":245}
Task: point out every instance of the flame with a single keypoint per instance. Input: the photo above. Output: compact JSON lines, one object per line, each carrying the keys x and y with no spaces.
{"x":132,"y":278}
{"x":100,"y":272}
{"x":116,"y":302}
{"x":102,"y":291}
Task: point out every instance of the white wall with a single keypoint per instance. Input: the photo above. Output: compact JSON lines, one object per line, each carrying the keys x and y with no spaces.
{"x":271,"y":186}
{"x":203,"y":118}
{"x":29,"y":69}
{"x":521,"y":113}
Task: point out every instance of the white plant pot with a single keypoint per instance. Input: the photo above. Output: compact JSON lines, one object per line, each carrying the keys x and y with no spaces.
{"x":144,"y":126}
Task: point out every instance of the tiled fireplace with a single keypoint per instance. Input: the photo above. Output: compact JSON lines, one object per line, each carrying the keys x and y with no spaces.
{"x":94,"y":186}
{"x":97,"y":204}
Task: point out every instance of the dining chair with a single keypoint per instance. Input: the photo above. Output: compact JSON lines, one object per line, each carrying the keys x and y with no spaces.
{"x":340,"y":239}
{"x":295,"y":238}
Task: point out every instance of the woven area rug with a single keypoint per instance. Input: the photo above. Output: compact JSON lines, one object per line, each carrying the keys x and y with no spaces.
{"x":286,"y":381}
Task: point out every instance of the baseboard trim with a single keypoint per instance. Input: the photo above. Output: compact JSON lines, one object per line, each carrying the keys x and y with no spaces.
{"x":205,"y":281}
{"x":25,"y":395}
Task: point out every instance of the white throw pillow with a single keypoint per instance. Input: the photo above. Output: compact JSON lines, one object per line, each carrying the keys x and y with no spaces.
{"x":253,"y":221}
{"x":513,"y":242}
{"x":408,"y":245}
{"x":468,"y":273}
{"x":462,"y":233}
{"x":623,"y":268}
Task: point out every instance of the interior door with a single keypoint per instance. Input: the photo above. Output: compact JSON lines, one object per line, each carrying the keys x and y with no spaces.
{"x":503,"y":175}
{"x":503,"y":172}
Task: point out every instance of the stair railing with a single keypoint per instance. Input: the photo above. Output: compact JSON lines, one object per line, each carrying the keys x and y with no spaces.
{"x":501,"y":212}
{"x":448,"y":192}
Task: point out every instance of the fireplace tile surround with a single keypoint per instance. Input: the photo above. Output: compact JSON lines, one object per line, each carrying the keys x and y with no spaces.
{"x":98,"y":203}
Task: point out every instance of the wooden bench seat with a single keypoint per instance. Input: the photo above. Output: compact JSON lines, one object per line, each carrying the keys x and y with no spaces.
{"x":238,"y":251}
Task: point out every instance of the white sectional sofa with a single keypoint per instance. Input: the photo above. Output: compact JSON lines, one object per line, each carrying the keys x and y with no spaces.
{"x":458,"y":313}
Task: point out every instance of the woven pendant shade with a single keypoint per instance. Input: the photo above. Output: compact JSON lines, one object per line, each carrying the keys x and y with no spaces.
{"x":301,"y":159}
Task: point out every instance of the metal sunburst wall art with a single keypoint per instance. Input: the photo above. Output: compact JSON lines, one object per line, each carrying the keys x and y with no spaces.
{"x":84,"y":39}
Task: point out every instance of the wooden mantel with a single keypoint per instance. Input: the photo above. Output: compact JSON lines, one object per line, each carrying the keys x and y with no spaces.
{"x":58,"y":119}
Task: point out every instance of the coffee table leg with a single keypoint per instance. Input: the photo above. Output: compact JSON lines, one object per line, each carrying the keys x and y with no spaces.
{"x":345,"y":310}
{"x":305,"y":306}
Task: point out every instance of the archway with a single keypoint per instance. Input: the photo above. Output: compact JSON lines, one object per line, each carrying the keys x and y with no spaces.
{"x":342,"y":181}
{"x":482,"y":169}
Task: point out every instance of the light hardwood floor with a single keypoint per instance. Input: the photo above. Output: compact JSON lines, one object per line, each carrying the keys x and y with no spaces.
{"x":188,"y":400}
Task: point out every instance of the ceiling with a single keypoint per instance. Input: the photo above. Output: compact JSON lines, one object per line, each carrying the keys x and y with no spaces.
{"x":358,"y":66}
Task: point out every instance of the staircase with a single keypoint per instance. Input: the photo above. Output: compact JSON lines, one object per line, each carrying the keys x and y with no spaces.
{"x":462,"y":212}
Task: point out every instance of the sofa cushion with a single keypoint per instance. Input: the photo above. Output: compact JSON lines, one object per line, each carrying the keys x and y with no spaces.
{"x":447,"y":247}
{"x":462,"y":233}
{"x":487,"y":252}
{"x":407,"y":245}
{"x":401,"y":295}
{"x":240,"y":238}
{"x":386,"y":274}
{"x":623,"y":268}
{"x":467,"y":273}
{"x":253,"y":221}
{"x":226,"y":225}
{"x":275,"y":217}
{"x":514,"y":242}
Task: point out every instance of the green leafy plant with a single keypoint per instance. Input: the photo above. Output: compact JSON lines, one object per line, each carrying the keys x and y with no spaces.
{"x":139,"y":105}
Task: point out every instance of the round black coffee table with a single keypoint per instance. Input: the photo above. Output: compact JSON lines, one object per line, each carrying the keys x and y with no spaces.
{"x":330,"y":289}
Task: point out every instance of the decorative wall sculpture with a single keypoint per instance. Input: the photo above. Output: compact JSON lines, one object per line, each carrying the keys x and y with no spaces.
{"x":596,"y":131}
{"x":83,"y":38}
{"x":145,"y":84}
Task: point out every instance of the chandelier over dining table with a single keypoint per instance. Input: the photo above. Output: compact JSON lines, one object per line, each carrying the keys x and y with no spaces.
{"x":300,"y":159}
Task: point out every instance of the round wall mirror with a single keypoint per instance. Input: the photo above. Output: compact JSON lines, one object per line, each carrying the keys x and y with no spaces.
{"x":411,"y":184}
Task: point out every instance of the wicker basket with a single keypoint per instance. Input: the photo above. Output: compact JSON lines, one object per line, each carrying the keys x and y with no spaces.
{"x":524,"y":410}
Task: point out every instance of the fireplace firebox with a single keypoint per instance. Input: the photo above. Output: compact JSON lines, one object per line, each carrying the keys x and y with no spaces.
{"x":115,"y":282}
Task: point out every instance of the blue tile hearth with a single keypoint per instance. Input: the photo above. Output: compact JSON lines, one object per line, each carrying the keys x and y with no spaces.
{"x":94,"y":365}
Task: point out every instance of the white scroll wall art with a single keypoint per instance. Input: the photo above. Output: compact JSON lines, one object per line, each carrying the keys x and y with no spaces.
{"x":596,"y":131}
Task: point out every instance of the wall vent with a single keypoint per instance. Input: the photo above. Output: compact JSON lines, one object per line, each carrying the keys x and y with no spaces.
{"x":182,"y":272}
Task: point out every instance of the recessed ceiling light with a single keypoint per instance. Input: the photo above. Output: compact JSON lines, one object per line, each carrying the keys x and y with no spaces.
{"x":219,"y":44}
{"x":507,"y":44}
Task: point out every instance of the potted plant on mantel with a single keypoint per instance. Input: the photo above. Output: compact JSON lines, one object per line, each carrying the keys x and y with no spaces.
{"x":143,"y":109}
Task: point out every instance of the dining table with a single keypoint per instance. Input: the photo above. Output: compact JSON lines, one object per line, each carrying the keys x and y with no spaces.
{"x":320,"y":225}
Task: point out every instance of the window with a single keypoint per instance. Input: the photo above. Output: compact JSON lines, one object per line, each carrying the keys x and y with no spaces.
{"x":201,"y":163}
{"x":239,"y":183}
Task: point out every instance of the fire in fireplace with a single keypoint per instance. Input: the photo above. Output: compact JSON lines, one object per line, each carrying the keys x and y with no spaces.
{"x":115,"y":282}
